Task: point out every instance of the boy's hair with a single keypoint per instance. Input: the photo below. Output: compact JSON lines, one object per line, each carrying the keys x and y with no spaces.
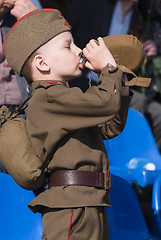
{"x":27,"y":70}
{"x":31,"y":32}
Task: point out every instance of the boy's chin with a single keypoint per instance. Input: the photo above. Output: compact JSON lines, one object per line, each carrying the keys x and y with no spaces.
{"x":76,"y":76}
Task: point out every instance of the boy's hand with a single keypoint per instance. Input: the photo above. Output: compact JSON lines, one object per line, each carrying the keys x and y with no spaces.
{"x":22,"y":7}
{"x":98,"y":55}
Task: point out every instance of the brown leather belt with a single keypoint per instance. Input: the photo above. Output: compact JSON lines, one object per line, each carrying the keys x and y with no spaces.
{"x":81,"y":178}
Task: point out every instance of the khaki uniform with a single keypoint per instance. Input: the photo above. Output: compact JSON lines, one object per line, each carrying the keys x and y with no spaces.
{"x":66,"y":127}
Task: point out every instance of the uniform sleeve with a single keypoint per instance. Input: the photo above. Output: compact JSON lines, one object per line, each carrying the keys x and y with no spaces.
{"x":75,"y":109}
{"x":116,"y":125}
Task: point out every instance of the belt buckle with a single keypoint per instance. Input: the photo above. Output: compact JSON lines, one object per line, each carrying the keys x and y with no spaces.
{"x":107,"y":180}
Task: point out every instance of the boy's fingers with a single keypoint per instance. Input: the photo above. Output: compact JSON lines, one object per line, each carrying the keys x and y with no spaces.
{"x":85,"y":52}
{"x":88,"y":47}
{"x":93,"y":43}
{"x":101,"y":41}
{"x":88,"y":65}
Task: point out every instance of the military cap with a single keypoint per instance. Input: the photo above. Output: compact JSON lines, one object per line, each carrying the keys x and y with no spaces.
{"x":38,"y":27}
{"x":31,"y":32}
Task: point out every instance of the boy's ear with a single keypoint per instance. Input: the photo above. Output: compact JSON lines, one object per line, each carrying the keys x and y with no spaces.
{"x":41,"y":64}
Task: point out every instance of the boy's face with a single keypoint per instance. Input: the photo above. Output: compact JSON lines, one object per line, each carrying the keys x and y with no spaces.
{"x":63,"y":57}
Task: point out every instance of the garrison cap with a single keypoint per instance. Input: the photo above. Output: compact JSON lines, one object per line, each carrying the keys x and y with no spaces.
{"x":31,"y":32}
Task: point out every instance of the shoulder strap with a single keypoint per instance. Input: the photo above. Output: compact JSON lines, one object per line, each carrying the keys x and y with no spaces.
{"x":22,"y":107}
{"x":135,"y":81}
{"x":6,"y":115}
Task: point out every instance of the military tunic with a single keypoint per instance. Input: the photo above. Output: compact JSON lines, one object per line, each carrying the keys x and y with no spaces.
{"x":67,"y":128}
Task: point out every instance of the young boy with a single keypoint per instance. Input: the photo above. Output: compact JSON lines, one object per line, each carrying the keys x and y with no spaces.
{"x":67,"y":126}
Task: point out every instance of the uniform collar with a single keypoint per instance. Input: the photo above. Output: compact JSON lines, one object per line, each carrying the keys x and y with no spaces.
{"x":46,"y":83}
